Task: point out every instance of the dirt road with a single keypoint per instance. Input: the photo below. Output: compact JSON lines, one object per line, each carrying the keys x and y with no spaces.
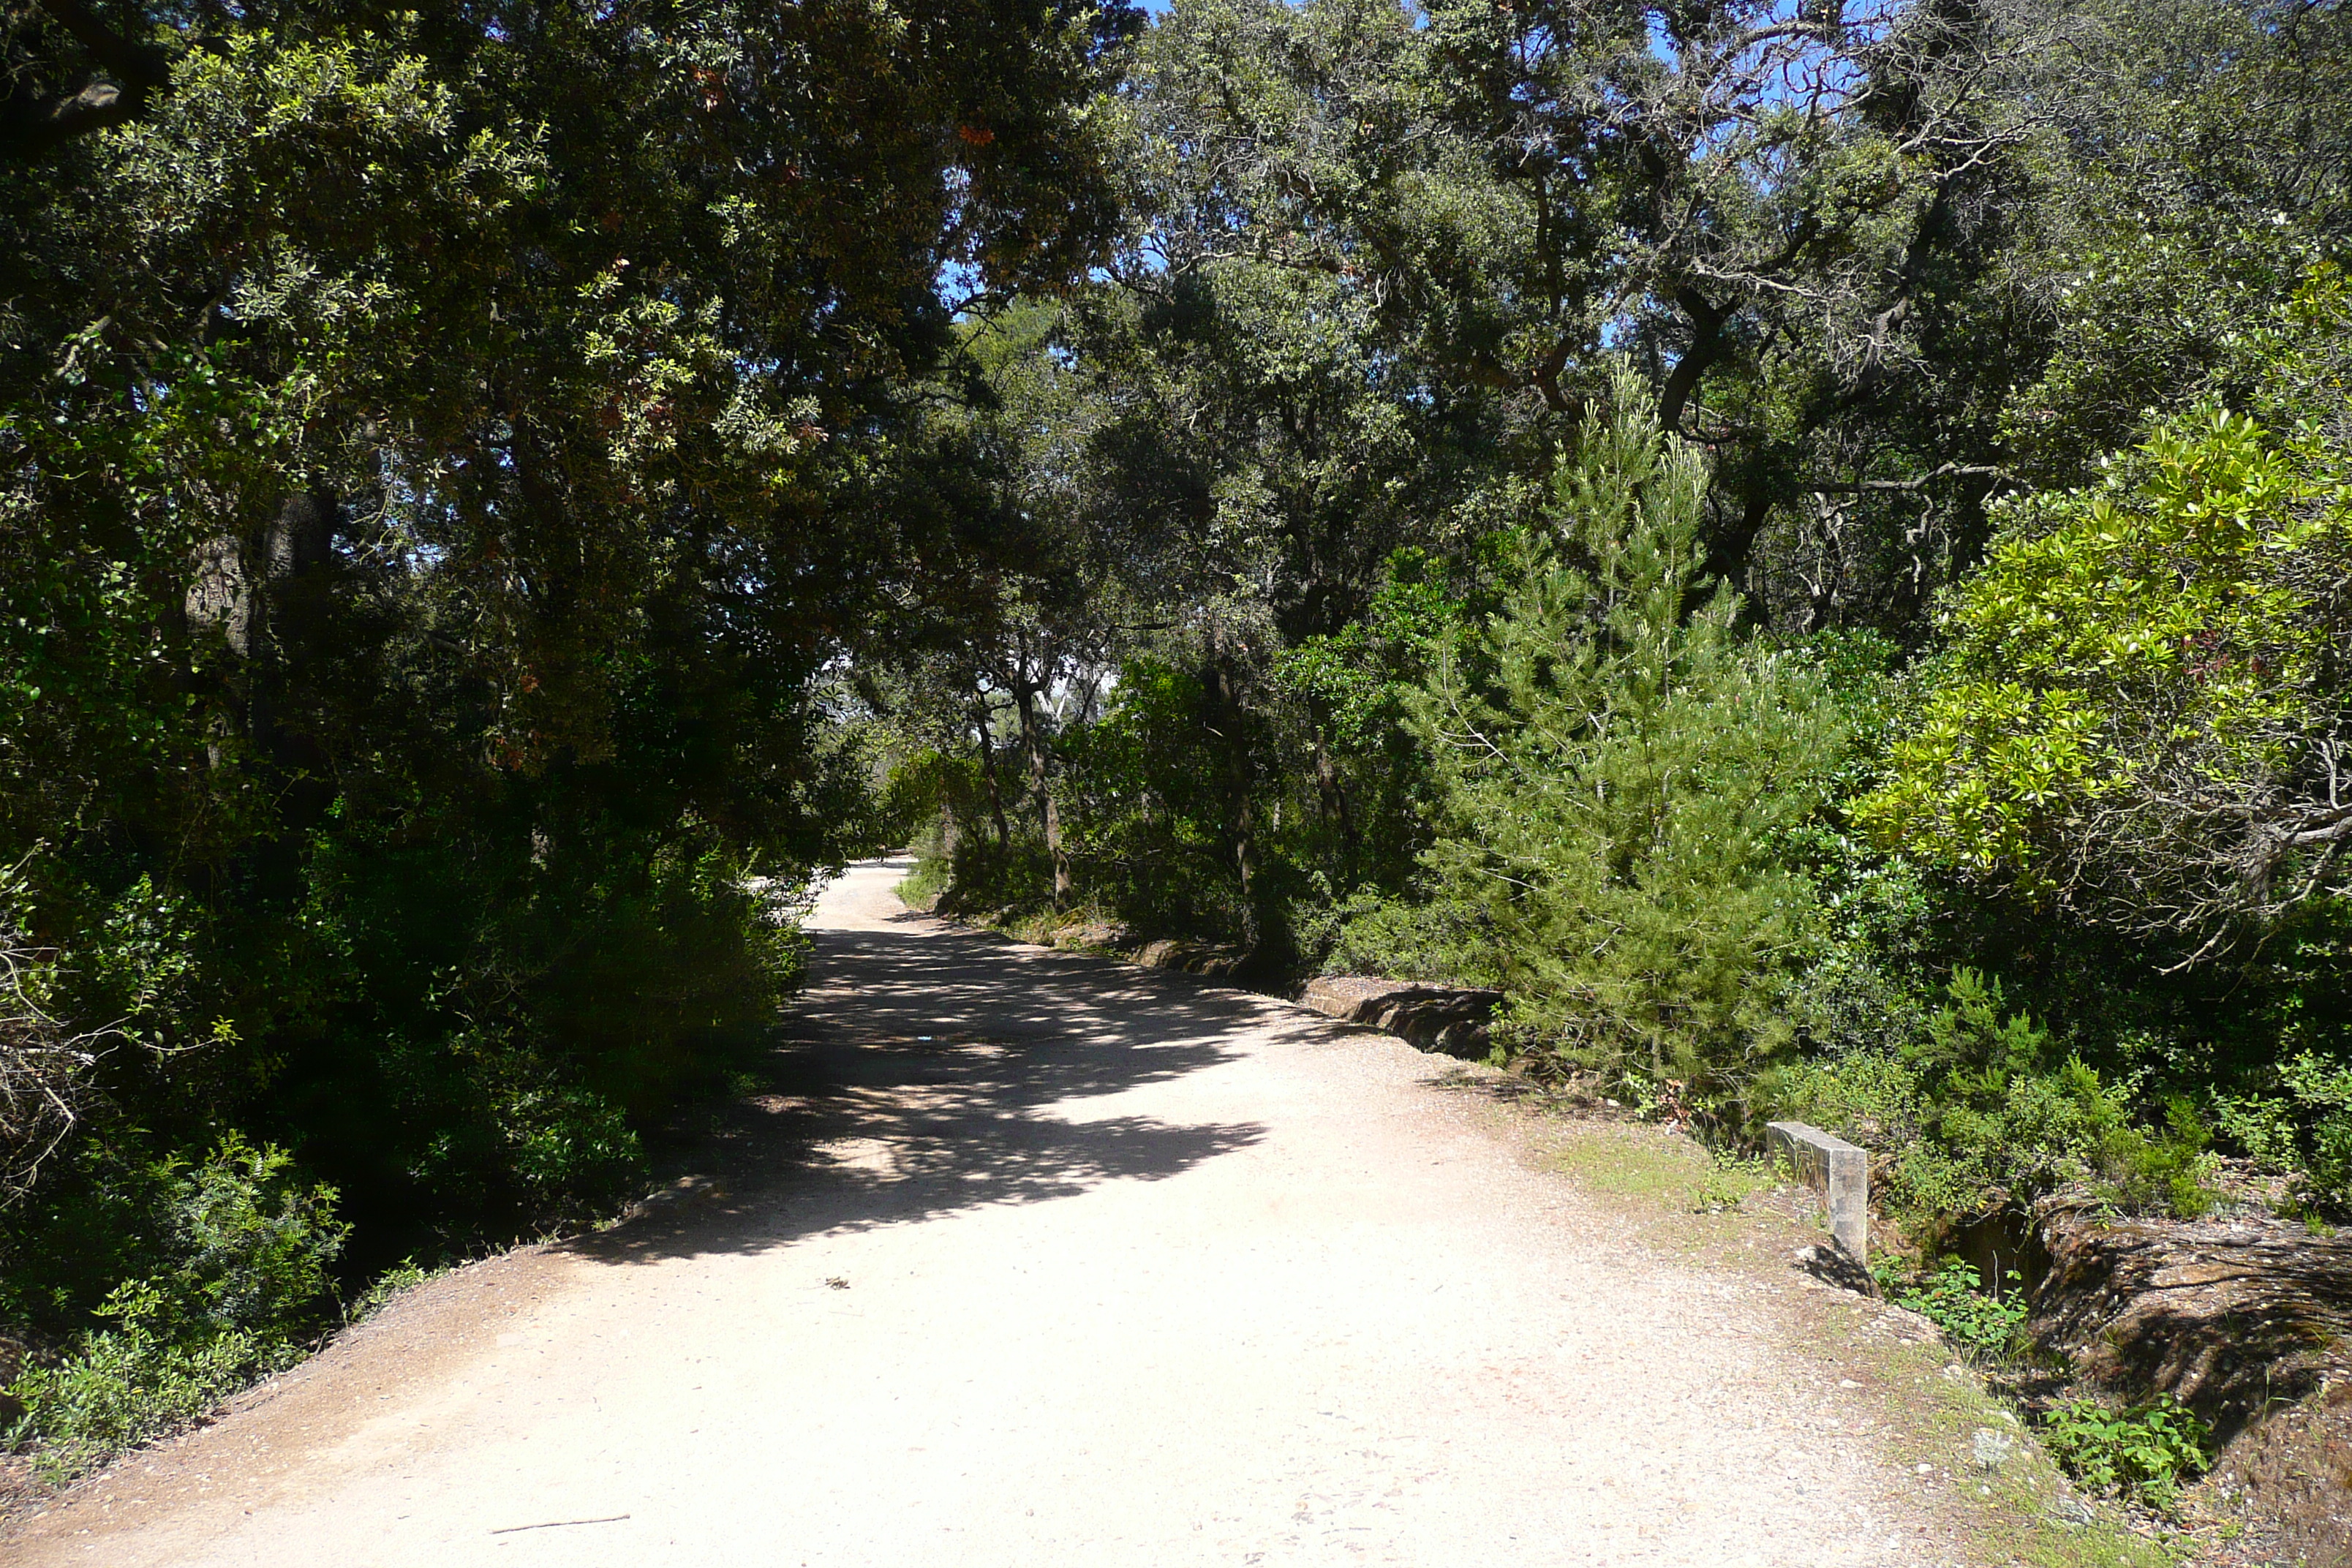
{"x":1087,"y":1265}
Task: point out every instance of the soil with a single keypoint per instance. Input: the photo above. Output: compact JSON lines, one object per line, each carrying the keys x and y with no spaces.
{"x":1033,"y":1259}
{"x":2244,"y":1318}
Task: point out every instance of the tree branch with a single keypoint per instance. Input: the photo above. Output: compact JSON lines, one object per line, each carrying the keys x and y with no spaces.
{"x":1705,"y":348}
{"x":1873,"y":486}
{"x":140,"y":71}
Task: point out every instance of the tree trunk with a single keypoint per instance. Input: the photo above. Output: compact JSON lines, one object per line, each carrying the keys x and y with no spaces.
{"x":1706,"y":346}
{"x":1224,"y":698}
{"x":1334,"y":797}
{"x":274,"y":607}
{"x":259,"y":593}
{"x":995,"y":791}
{"x":1033,"y":741}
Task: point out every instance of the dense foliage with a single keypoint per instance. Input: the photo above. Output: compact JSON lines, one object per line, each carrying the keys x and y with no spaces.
{"x":1621,"y":772}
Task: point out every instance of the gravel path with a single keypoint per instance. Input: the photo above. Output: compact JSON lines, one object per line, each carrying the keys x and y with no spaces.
{"x":1087,"y":1266}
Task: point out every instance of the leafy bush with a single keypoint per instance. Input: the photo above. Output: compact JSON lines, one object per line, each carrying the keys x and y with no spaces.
{"x":2304,"y":1125}
{"x":2141,"y":711}
{"x":2142,"y":1452}
{"x":254,"y":1241}
{"x":1978,"y":1109}
{"x":403,"y":1276}
{"x":249,"y":1245}
{"x":2321,"y":1092}
{"x":125,"y":1386}
{"x":1952,"y":1298}
{"x":1445,"y":940}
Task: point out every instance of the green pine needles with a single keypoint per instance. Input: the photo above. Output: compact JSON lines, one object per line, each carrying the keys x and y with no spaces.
{"x":1619,"y":761}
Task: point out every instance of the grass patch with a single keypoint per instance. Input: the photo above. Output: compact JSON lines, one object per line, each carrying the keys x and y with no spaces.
{"x":1734,"y":1180}
{"x":1635,"y":1163}
{"x":922,"y":887}
{"x":393,"y":1281}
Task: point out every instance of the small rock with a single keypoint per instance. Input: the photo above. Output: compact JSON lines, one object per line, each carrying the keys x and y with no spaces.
{"x":1993,"y":1449}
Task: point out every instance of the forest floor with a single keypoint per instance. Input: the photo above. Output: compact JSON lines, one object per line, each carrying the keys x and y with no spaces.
{"x":1032,"y":1259}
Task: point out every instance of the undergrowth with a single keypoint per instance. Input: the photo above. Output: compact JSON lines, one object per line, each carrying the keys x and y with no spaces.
{"x":244,"y":1292}
{"x":2142,"y":1452}
{"x":1985,"y":1324}
{"x":1730,"y":1181}
{"x":239,"y":1287}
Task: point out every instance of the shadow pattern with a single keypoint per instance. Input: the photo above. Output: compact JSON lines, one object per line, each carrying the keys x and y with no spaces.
{"x":928,"y":1070}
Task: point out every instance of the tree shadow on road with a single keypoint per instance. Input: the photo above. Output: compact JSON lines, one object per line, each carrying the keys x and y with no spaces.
{"x":926,"y":1072}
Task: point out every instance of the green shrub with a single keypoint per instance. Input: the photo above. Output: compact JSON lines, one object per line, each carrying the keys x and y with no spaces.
{"x":2141,"y":698}
{"x":525,"y":1012}
{"x":122,"y":1387}
{"x":2143,"y":1453}
{"x":1444,"y":941}
{"x":249,"y":1243}
{"x":2294,"y":1116}
{"x":922,"y":887}
{"x":1979,"y":1110}
{"x":2321,"y":1093}
{"x":253,"y":1240}
{"x":1622,"y":766}
{"x":1952,"y":1296}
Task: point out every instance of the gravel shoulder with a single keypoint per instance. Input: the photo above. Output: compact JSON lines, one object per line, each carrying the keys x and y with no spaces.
{"x":1040,"y":1259}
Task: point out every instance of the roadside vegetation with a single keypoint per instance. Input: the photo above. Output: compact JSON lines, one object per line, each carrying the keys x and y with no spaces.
{"x":446,"y":453}
{"x":1812,"y":551}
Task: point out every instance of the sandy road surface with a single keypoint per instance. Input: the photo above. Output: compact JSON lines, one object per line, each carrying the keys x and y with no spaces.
{"x":1088,"y":1266}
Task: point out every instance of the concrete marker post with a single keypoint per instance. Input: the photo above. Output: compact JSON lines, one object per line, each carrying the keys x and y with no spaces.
{"x":1839,"y":1169}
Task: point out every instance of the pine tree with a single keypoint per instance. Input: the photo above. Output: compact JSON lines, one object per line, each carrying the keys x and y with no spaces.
{"x":1623,"y":764}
